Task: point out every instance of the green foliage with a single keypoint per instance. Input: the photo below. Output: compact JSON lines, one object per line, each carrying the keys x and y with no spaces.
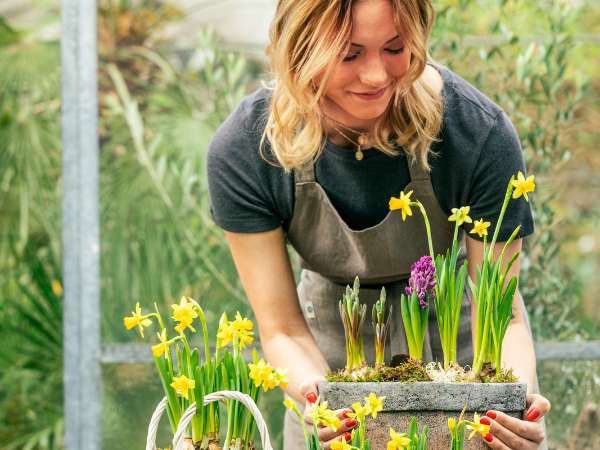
{"x":418,"y":441}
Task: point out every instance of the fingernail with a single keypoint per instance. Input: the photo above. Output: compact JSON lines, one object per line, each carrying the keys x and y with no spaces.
{"x":533,"y":414}
{"x":311,"y":397}
{"x":491,"y":414}
{"x":347,"y":436}
{"x":485,"y":421}
{"x":345,"y":413}
{"x":488,"y":437}
{"x":350,"y":423}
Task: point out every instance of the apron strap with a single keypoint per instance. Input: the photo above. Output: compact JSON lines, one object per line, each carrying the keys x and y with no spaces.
{"x":305,"y":174}
{"x":417,"y":172}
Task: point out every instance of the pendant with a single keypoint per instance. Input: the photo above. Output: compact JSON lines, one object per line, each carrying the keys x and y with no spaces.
{"x":358,"y":154}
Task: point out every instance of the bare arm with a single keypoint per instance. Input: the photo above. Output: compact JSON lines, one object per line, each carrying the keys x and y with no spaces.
{"x":264,"y":268}
{"x":518,"y":350}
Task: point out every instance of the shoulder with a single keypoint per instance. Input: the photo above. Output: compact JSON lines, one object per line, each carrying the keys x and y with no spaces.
{"x":475,"y":127}
{"x":238,"y":136}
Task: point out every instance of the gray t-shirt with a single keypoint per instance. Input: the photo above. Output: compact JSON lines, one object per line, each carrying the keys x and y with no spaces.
{"x":478,"y":153}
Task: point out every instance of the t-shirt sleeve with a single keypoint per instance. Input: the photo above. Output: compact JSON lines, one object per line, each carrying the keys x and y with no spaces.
{"x":501,"y":157}
{"x":238,"y":201}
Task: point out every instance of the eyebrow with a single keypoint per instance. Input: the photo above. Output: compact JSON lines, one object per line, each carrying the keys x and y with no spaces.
{"x":386,"y":42}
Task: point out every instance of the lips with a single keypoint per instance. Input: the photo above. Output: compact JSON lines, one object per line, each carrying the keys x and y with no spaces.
{"x":371,"y":95}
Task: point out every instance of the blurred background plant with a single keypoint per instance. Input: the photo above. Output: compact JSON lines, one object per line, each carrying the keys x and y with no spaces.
{"x":160,"y":103}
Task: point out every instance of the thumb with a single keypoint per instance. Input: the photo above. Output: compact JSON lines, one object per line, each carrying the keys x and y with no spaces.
{"x":309,"y":389}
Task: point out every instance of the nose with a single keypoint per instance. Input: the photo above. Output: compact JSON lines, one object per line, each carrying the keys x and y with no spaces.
{"x":373,"y":72}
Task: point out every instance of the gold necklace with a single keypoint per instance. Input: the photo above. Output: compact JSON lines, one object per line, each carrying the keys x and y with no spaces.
{"x":362,"y":139}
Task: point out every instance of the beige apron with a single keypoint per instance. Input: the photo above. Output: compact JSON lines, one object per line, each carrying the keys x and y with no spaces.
{"x":332,"y":254}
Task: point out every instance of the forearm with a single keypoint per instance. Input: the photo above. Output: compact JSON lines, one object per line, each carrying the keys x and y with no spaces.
{"x":299,"y":354}
{"x":518,"y":351}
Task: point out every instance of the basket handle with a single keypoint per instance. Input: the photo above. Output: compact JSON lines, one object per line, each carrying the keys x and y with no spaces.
{"x":153,"y":427}
{"x":245,"y":399}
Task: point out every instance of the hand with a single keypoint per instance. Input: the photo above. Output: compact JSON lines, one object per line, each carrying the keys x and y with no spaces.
{"x":510,"y":433}
{"x":326,"y":435}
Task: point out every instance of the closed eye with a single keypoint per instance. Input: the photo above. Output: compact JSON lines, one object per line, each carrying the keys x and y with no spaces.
{"x":393,"y":51}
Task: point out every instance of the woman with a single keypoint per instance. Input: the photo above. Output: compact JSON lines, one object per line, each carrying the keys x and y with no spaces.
{"x":358,"y":112}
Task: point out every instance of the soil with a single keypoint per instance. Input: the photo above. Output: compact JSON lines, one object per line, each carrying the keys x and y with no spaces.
{"x":406,"y":370}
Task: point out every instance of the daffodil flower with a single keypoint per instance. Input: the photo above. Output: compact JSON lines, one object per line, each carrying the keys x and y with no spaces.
{"x":322,"y":415}
{"x":451,"y":424}
{"x":137,"y":320}
{"x":477,"y":427}
{"x":240,"y":327}
{"x":399,"y":441}
{"x":341,"y":445}
{"x":460,"y":215}
{"x":402,"y":203}
{"x":183,"y":385}
{"x":523,"y":186}
{"x":480,"y":227}
{"x":374,"y":403}
{"x":159,"y":349}
{"x":360,"y":412}
{"x":265,"y":375}
{"x":184,"y":313}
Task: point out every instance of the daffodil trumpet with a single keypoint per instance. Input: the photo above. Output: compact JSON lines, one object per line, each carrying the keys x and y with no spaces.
{"x":353,"y":314}
{"x":381,"y":323}
{"x":494,"y":291}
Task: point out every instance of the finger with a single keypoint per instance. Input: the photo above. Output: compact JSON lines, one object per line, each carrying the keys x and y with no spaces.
{"x":494,"y":443}
{"x":515,"y":433}
{"x":327,"y":444}
{"x":341,"y":413}
{"x":537,"y":407}
{"x":309,"y":391}
{"x":346,"y":426}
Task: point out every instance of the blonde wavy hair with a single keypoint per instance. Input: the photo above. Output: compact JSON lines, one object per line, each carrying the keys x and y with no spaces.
{"x":307,"y":38}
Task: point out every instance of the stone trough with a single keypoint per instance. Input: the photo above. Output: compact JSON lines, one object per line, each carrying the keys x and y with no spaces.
{"x":432,"y":403}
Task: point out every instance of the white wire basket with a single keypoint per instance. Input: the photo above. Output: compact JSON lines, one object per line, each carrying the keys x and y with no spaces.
{"x":186,"y":418}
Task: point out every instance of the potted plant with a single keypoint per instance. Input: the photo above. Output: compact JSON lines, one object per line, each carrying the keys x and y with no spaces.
{"x":434,"y":394}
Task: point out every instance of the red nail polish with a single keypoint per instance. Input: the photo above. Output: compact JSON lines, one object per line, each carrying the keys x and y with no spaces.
{"x":488,"y":437}
{"x":485,"y":421}
{"x":491,"y":414}
{"x":347,"y":436}
{"x":350,"y":423}
{"x":311,"y":397}
{"x":533,"y":414}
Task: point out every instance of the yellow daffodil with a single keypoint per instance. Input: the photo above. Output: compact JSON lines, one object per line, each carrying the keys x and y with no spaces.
{"x":289,"y":404}
{"x":374,"y":403}
{"x":57,"y":288}
{"x":451,"y":424}
{"x":402,"y":203}
{"x":240,"y":327}
{"x":183,"y":385}
{"x":341,"y":445}
{"x":321,"y":415}
{"x":523,"y":186}
{"x":259,"y":371}
{"x":184,"y":313}
{"x":477,"y":427}
{"x":480,"y":227}
{"x":137,"y":320}
{"x":360,"y":411}
{"x":399,"y":441}
{"x":159,"y":349}
{"x":460,"y":215}
{"x":282,"y":378}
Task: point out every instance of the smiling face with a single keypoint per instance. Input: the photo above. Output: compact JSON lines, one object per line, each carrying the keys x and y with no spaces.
{"x":363,"y":81}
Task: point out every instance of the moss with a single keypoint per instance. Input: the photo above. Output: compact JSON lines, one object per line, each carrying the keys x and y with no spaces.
{"x":407,"y":371}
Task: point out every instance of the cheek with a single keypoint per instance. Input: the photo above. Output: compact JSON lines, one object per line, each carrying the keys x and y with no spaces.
{"x":341,"y":80}
{"x":400,"y":65}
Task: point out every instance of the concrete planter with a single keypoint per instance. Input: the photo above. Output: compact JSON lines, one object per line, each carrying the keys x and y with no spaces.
{"x":432,"y":403}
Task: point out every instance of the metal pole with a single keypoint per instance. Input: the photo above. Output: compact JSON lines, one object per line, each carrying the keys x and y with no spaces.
{"x":81,"y":241}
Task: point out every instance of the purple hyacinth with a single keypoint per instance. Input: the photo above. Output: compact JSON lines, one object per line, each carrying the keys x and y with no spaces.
{"x":422,"y":280}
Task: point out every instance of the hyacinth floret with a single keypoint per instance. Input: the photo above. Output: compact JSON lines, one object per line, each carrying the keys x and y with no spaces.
{"x":422,"y":280}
